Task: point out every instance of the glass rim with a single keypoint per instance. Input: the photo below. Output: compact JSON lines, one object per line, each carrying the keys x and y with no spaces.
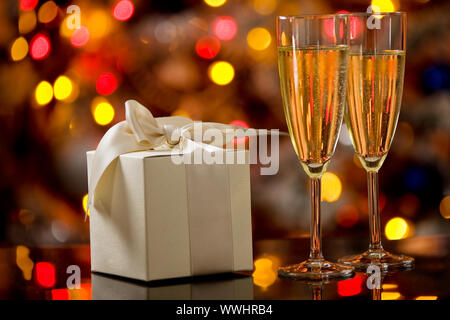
{"x":365,"y":14}
{"x":329,"y":15}
{"x":306,"y":16}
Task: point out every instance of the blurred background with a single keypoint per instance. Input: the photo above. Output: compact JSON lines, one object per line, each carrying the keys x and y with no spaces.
{"x":210,"y":60}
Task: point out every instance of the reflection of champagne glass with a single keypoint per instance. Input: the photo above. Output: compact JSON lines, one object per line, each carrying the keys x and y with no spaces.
{"x":312,"y":59}
{"x":375,"y":84}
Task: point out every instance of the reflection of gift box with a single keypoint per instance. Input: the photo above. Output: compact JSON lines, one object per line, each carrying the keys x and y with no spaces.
{"x":236,"y":288}
{"x":153,"y":219}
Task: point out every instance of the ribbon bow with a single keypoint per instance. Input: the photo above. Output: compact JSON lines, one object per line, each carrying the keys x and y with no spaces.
{"x":141,"y":131}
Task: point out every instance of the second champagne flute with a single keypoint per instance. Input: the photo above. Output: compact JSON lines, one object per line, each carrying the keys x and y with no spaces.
{"x":375,"y":85}
{"x":312,"y":61}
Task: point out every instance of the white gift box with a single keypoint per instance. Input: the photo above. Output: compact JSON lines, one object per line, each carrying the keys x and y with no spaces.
{"x":108,"y":288}
{"x":153,"y":219}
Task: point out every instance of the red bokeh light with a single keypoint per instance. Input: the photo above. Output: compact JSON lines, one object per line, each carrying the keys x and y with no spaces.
{"x":355,"y":25}
{"x":40,"y":47}
{"x":106,"y":84}
{"x":207,"y":47}
{"x":239,"y":123}
{"x":60,"y":294}
{"x":225,"y":28}
{"x":347,"y":216}
{"x":80,"y":37}
{"x":123,"y":10}
{"x":45,"y":274}
{"x":26,"y":5}
{"x":243,"y":124}
{"x":350,"y":287}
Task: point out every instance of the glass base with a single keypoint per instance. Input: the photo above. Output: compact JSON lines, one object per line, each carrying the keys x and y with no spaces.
{"x":385,"y":260}
{"x":316,"y":270}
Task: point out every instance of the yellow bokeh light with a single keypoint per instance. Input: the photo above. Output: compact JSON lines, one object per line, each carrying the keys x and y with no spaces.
{"x":43,"y":93}
{"x":64,"y":31}
{"x":384,"y":5}
{"x":444,"y":207}
{"x":389,"y":286}
{"x":47,"y":12}
{"x":27,"y":21}
{"x":215,"y":3}
{"x":259,"y":39}
{"x":221,"y":73}
{"x":181,"y":113}
{"x":19,"y":49}
{"x":390,"y":295}
{"x":62,"y":87}
{"x":102,"y":111}
{"x":85,"y":202}
{"x":265,"y":273}
{"x":264,"y":7}
{"x":426,"y":298}
{"x":396,"y":228}
{"x":98,"y":23}
{"x":331,"y":187}
{"x":24,"y":262}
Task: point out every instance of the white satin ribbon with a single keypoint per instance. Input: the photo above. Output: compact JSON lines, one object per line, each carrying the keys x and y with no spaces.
{"x":141,"y":131}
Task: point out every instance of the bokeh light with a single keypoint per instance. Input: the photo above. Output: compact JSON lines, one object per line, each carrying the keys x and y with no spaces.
{"x":350,"y":287}
{"x":40,"y":47}
{"x":123,"y":10}
{"x":389,"y":286}
{"x":265,"y":273}
{"x":331,"y":187}
{"x":19,"y":49}
{"x":259,"y":39}
{"x":62,"y":88}
{"x":102,"y":111}
{"x":180,"y":113}
{"x":84,"y":202}
{"x":79,"y":37}
{"x":242,"y":124}
{"x":426,"y":298}
{"x":408,"y":204}
{"x":264,"y":7}
{"x":355,"y":25}
{"x":106,"y":84}
{"x":27,"y":21}
{"x":64,"y":30}
{"x":98,"y":23}
{"x":24,"y":262}
{"x":221,"y":73}
{"x":215,"y":3}
{"x":396,"y":228}
{"x":444,"y":207}
{"x":28,"y":4}
{"x":60,"y":294}
{"x":45,"y":274}
{"x":347,"y":216}
{"x":47,"y":12}
{"x":239,"y":123}
{"x":225,"y":28}
{"x":390,"y":295}
{"x":43,"y":93}
{"x":207,"y":47}
{"x":384,"y":5}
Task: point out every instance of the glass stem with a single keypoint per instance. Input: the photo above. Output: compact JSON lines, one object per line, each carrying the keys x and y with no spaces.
{"x":374,"y":211}
{"x":316,"y":245}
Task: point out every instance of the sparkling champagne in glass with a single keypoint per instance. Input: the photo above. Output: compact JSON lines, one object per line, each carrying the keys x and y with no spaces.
{"x":312,"y":60}
{"x":375,"y":84}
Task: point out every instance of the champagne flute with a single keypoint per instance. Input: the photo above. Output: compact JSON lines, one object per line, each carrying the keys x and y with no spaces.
{"x":375,"y":84}
{"x":312,"y":61}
